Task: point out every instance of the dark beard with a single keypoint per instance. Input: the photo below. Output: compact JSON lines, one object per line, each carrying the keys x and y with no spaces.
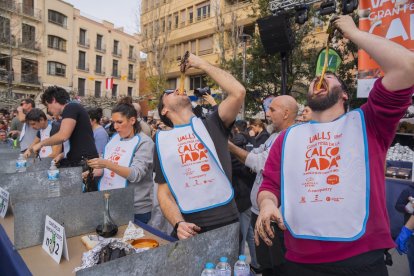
{"x":324,"y":103}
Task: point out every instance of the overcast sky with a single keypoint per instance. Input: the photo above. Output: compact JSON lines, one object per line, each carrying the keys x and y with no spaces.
{"x":120,"y":12}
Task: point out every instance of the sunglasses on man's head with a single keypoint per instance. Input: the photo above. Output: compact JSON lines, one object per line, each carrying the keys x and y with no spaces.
{"x":169,"y":91}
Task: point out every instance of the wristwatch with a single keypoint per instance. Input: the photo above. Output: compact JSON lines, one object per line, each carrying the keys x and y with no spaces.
{"x":176,"y":226}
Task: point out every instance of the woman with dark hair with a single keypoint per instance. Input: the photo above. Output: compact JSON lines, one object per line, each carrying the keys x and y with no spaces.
{"x":127,"y":159}
{"x":99,"y":133}
{"x":258,"y":133}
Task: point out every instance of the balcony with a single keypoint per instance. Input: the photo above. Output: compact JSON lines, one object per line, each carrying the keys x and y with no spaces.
{"x":29,"y":45}
{"x":100,"y":48}
{"x":100,"y":71}
{"x":116,"y":75}
{"x":131,"y":78}
{"x":117,"y":53}
{"x":132,"y":57}
{"x":203,"y":17}
{"x":9,"y":41}
{"x":30,"y":12}
{"x":84,"y":43}
{"x":30,"y":79}
{"x":9,"y":5}
{"x":82,"y":67}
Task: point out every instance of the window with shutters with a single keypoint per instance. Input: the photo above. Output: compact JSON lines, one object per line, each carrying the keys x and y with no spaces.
{"x":57,"y":18}
{"x":56,"y":42}
{"x":56,"y":68}
{"x":203,"y":11}
{"x":182,"y":18}
{"x":205,"y":46}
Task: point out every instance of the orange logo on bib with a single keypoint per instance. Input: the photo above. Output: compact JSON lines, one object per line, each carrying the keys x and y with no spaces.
{"x":205,"y":167}
{"x":332,"y":179}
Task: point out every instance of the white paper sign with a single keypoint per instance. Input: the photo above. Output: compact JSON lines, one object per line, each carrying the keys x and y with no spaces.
{"x":54,"y":240}
{"x":4,"y":202}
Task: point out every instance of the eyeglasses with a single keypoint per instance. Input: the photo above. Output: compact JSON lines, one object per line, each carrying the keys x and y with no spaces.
{"x":169,"y":91}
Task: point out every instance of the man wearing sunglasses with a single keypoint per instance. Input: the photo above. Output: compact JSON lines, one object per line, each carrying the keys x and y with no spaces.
{"x":28,"y":134}
{"x":192,"y":162}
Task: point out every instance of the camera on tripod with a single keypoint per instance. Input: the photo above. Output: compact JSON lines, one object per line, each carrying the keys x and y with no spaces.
{"x":200,"y":92}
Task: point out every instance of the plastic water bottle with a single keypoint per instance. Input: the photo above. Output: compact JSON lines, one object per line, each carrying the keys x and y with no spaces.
{"x":209,"y":270}
{"x":21,"y":163}
{"x":223,"y":268}
{"x":241,"y":268}
{"x":53,"y":176}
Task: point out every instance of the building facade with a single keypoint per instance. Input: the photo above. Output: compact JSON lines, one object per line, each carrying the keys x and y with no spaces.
{"x":206,"y":28}
{"x":49,"y":42}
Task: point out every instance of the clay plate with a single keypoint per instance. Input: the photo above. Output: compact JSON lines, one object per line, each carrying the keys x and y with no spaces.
{"x":145,"y":243}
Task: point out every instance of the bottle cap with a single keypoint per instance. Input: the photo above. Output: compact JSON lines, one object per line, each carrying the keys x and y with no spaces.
{"x":209,"y":265}
{"x":223,"y":259}
{"x":106,"y":195}
{"x":242,"y":258}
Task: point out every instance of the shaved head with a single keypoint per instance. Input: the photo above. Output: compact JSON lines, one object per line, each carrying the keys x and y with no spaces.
{"x":283,"y":111}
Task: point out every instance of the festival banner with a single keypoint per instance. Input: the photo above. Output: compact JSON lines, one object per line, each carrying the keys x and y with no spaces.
{"x":392,"y":19}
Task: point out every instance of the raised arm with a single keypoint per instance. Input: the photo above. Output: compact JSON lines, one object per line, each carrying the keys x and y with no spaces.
{"x":396,"y":61}
{"x":230,"y":107}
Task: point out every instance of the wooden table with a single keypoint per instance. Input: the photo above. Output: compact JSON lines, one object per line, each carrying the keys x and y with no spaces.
{"x":40,"y":263}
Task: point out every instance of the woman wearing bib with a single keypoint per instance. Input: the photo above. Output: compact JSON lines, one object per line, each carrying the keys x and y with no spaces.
{"x":127,"y":159}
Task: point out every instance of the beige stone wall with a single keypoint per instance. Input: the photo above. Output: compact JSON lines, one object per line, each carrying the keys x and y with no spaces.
{"x":68,"y":55}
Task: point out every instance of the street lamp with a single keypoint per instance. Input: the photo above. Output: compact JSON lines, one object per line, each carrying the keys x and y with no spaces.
{"x":244,"y":38}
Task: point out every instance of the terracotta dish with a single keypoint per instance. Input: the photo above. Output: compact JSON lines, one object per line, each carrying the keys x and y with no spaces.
{"x":145,"y":243}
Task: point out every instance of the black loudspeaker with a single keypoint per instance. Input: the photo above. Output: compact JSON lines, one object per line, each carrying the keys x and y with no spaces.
{"x":276,"y":34}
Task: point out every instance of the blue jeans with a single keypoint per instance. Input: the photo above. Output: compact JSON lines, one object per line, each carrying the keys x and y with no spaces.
{"x":248,"y":235}
{"x":410,"y":254}
{"x":142,"y":217}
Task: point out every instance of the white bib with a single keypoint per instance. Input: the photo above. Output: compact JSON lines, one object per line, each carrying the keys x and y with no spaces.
{"x":191,"y":168}
{"x":325,"y":179}
{"x":120,"y":152}
{"x":44,"y":134}
{"x":23,"y":132}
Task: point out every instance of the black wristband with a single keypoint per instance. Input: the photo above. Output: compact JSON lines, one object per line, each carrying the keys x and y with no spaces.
{"x":176,"y":226}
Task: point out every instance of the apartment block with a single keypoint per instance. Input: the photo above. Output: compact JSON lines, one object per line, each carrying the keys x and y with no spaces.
{"x":49,"y":42}
{"x":195,"y":26}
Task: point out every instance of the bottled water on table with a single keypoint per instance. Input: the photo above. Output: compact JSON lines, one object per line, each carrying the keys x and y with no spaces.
{"x":53,"y":175}
{"x":241,"y":268}
{"x":223,"y":268}
{"x":209,"y":270}
{"x":21,"y":163}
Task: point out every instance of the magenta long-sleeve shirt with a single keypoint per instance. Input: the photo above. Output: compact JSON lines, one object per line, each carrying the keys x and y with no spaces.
{"x":382,"y":113}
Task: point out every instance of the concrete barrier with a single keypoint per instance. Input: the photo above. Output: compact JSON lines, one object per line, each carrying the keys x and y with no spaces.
{"x":35,"y":185}
{"x":9,"y":165}
{"x":184,"y":258}
{"x":79,"y":214}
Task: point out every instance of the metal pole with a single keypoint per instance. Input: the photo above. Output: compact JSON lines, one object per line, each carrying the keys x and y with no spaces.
{"x":283,"y":57}
{"x":243,"y":108}
{"x":10,"y":71}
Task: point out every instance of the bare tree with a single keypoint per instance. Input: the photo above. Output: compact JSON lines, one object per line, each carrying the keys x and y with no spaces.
{"x":155,"y":44}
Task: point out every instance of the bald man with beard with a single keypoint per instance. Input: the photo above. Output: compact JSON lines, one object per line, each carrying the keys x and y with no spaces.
{"x":282,"y":112}
{"x":328,"y":174}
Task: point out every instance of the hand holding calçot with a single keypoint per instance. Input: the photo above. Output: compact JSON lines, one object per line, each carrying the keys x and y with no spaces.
{"x":345,"y":24}
{"x":268,"y":212}
{"x":187,"y":230}
{"x":97,"y":163}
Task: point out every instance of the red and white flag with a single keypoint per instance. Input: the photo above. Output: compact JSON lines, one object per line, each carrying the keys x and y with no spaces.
{"x":109,"y":83}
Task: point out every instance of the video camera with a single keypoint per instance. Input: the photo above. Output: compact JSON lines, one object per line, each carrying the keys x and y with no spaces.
{"x":200,"y":92}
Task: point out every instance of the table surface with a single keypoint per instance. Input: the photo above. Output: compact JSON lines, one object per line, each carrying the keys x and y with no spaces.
{"x":40,"y":263}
